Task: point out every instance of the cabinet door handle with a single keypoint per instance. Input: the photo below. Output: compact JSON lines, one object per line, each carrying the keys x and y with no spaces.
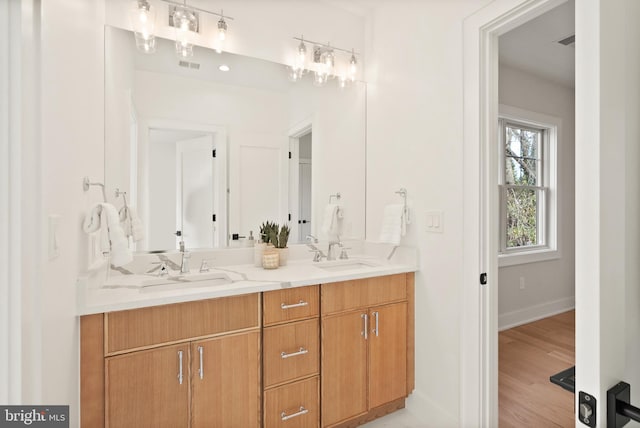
{"x":201,"y":369}
{"x":294,"y":305}
{"x":180,"y":377}
{"x":364,"y":332}
{"x":301,"y":351}
{"x":376,"y":330}
{"x":300,"y":412}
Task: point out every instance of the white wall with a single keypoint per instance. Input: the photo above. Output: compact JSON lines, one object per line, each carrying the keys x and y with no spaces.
{"x":72,"y":146}
{"x":414,"y":140}
{"x":549,"y":286}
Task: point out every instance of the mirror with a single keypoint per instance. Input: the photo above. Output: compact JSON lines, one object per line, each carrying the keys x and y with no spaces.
{"x":212,"y":154}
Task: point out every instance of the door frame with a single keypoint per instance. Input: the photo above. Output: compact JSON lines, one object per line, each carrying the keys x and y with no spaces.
{"x":221,"y":199}
{"x":479,"y":310}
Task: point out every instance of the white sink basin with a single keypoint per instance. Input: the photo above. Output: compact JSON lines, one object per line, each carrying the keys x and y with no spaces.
{"x":172,"y":281}
{"x":340,"y":265}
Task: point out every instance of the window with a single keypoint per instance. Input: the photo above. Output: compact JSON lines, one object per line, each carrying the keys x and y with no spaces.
{"x":527,"y":187}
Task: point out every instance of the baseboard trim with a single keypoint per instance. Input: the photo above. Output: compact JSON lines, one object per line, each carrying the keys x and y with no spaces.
{"x":535,"y":313}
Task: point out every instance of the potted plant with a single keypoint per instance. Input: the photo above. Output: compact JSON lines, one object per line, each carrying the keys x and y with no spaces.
{"x":280,"y":237}
{"x":263,"y":241}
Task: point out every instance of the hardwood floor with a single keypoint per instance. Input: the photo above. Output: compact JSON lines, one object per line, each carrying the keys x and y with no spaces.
{"x":528,"y":355}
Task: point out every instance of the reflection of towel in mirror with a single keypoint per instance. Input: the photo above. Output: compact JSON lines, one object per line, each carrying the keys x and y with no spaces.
{"x":332,"y":221}
{"x":131,"y":224}
{"x":104,"y":217}
{"x":394,"y":224}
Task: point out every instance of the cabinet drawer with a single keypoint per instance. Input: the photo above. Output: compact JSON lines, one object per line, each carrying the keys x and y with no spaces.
{"x":145,"y":327}
{"x":290,"y":305}
{"x":362,"y":293}
{"x":293,"y":405}
{"x":290,"y":351}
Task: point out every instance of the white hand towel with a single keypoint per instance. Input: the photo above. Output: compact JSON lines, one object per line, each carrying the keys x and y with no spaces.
{"x":131,"y":224}
{"x":120,"y":252}
{"x":332,"y":220}
{"x":393,"y":224}
{"x":105,"y":218}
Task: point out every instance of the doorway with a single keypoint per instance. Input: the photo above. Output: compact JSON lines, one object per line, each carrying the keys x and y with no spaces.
{"x":300,"y":180}
{"x":536,"y":217}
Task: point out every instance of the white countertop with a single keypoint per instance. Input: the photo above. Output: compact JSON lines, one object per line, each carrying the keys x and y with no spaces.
{"x":94,"y":298}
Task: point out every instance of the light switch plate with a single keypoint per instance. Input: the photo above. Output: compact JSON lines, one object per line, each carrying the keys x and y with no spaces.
{"x":435,"y":221}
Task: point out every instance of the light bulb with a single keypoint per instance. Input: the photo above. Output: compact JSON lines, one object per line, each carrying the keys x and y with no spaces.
{"x":353,"y":65}
{"x":222,"y":29}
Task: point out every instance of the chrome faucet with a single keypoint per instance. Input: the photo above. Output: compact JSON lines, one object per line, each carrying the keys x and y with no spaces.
{"x":184,"y":264}
{"x":318,"y":254}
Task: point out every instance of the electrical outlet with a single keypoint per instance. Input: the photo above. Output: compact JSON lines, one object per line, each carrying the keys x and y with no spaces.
{"x":522,"y":283}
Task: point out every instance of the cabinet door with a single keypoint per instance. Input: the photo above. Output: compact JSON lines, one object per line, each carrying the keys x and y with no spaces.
{"x":226,"y":381}
{"x":344,"y":367}
{"x":143,"y":389}
{"x":387,"y":353}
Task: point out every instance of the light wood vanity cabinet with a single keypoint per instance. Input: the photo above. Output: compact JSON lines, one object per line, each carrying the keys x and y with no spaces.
{"x":331,"y":355}
{"x":367,"y":348}
{"x":194,"y":364}
{"x":291,"y":358}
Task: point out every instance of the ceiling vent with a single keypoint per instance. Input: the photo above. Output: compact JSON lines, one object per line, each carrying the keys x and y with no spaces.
{"x":568,"y":41}
{"x":187,"y":64}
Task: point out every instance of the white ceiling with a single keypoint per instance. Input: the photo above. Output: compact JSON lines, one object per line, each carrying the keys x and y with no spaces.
{"x":534,"y":47}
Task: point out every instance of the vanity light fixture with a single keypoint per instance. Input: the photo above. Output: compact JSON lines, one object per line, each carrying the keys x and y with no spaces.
{"x":143,"y":18}
{"x":186,"y":20}
{"x":323,"y":64}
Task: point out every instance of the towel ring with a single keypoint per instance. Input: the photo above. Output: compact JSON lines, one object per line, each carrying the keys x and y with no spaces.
{"x":86,"y":184}
{"x":337,"y":196}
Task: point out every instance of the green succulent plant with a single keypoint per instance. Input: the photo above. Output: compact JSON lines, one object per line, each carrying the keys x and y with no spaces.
{"x":283,"y":236}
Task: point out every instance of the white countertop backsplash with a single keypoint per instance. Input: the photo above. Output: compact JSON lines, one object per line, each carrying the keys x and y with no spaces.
{"x":237,"y":263}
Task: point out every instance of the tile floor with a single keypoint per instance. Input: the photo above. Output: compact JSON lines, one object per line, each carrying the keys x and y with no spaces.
{"x":400,"y":419}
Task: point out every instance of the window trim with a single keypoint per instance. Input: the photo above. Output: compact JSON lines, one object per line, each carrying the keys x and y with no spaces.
{"x":550,"y":247}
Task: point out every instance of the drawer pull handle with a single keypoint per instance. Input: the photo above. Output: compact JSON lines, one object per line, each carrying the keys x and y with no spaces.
{"x":294,"y":305}
{"x":180,"y":377}
{"x":302,"y":351}
{"x":201,"y":369}
{"x":301,"y":412}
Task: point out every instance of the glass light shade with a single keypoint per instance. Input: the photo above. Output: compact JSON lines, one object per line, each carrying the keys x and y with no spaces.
{"x":222,"y":29}
{"x":185,"y":23}
{"x":184,"y":49}
{"x":146,"y":44}
{"x":320,"y":78}
{"x":142,"y":16}
{"x":301,"y":56}
{"x":294,"y":74}
{"x":353,"y":67}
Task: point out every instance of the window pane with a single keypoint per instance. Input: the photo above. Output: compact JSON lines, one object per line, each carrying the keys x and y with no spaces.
{"x":522,"y":148}
{"x":522,"y":217}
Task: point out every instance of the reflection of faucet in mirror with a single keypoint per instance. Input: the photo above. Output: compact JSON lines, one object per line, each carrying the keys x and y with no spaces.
{"x":318,"y":254}
{"x":331,"y":252}
{"x":184,"y":264}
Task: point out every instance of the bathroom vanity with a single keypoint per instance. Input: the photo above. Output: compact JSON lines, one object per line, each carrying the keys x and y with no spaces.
{"x":324,"y":347}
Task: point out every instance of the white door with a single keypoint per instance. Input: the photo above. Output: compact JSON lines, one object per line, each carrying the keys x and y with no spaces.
{"x":607,"y":200}
{"x":607,"y":204}
{"x":304,"y":210}
{"x":195,"y":187}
